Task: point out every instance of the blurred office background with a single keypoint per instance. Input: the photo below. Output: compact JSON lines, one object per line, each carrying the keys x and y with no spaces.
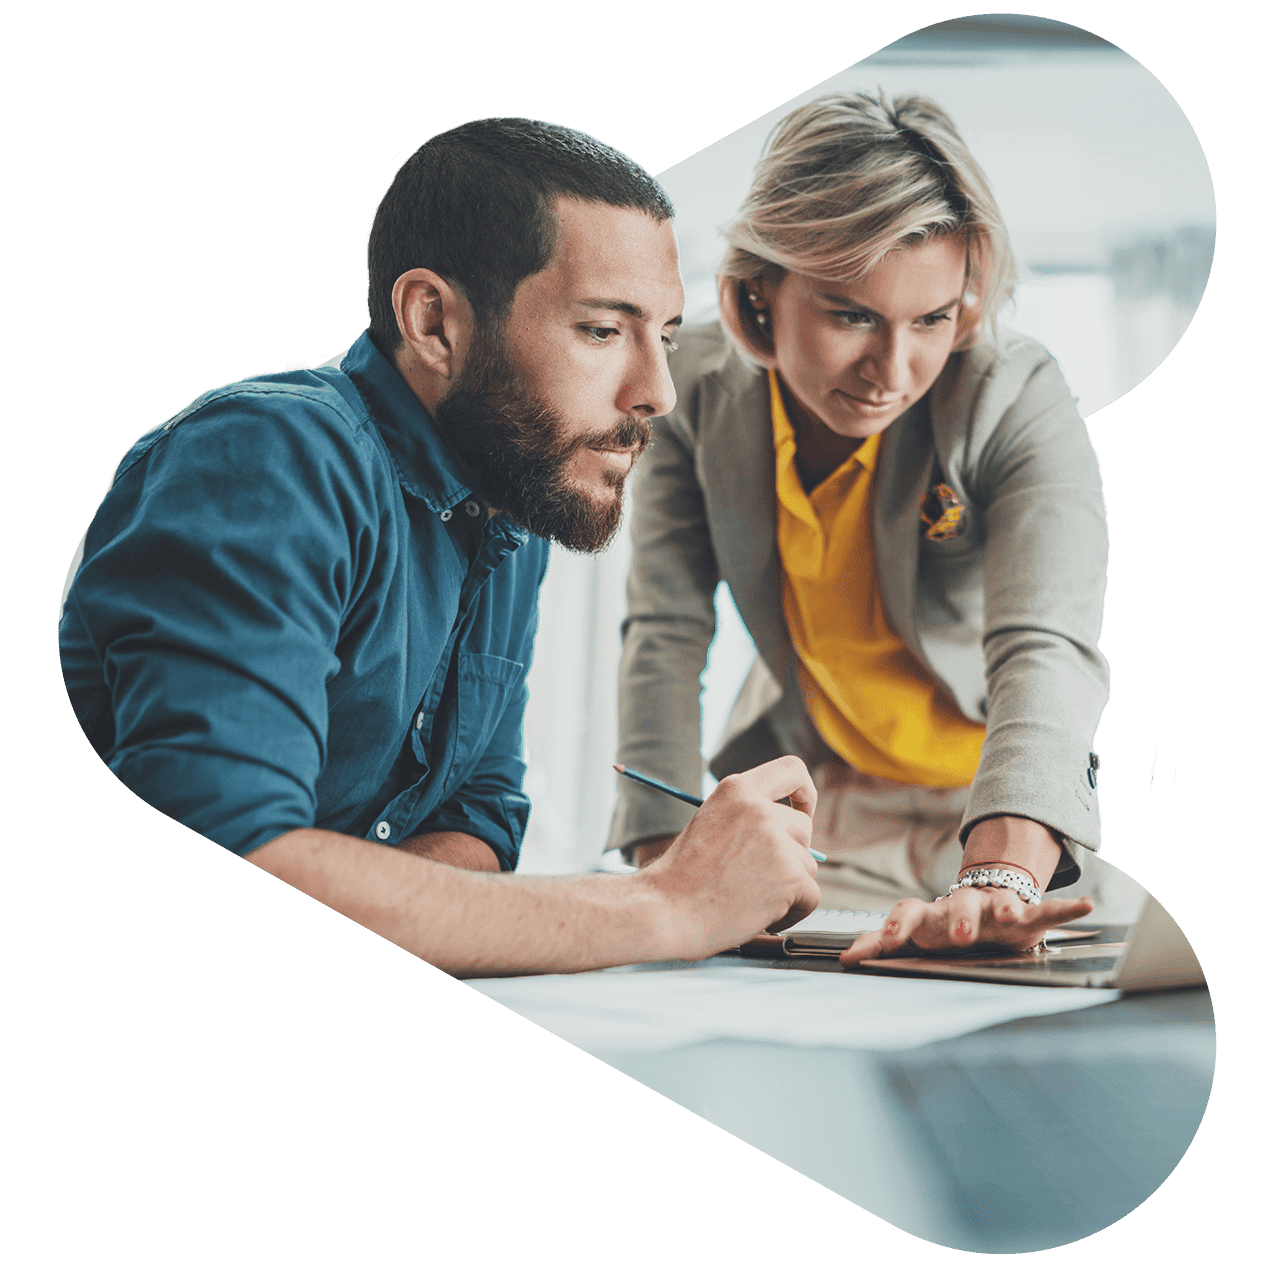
{"x":1109,"y":203}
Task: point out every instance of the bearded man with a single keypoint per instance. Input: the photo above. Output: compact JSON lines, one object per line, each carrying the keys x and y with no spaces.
{"x":306,"y":608}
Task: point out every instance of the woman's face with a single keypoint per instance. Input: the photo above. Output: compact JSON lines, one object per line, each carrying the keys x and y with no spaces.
{"x":856,"y":354}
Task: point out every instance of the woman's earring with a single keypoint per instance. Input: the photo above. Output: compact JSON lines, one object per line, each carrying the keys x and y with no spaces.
{"x":762,"y":312}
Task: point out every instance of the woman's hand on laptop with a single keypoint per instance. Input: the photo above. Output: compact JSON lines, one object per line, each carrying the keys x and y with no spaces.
{"x":968,"y":916}
{"x":987,"y":915}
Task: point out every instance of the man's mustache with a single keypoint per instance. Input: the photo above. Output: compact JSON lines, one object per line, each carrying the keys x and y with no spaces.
{"x":629,"y":435}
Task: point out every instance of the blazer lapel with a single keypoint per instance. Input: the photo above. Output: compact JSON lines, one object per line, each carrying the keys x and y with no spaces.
{"x":736,"y":468}
{"x":902,"y":476}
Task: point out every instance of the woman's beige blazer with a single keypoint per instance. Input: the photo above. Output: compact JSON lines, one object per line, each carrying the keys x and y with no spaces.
{"x":1005,"y":614}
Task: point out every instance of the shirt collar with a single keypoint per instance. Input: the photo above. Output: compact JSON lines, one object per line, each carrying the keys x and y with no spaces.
{"x":427,"y":468}
{"x":784,"y":435}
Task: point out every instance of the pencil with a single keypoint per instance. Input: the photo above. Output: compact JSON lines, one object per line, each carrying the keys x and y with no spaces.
{"x":666,"y":790}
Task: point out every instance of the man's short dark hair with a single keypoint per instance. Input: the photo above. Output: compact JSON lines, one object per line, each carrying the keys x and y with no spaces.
{"x":474,"y":205}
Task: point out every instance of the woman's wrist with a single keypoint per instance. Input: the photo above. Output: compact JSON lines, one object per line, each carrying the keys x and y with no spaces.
{"x":1021,"y":844}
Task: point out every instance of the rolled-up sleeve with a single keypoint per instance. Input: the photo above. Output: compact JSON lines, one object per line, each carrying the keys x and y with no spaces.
{"x":491,"y":804}
{"x":211,"y":599}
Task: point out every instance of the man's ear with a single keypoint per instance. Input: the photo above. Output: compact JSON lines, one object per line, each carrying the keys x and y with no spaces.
{"x":435,"y":321}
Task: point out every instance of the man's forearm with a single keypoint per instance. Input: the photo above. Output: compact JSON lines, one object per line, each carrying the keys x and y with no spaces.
{"x":456,"y":848}
{"x":741,"y":865}
{"x":471,"y":924}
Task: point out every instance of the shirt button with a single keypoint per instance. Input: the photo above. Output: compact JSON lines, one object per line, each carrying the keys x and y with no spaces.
{"x":421,"y":720}
{"x":472,"y":508}
{"x":382,"y":830}
{"x":446,"y":515}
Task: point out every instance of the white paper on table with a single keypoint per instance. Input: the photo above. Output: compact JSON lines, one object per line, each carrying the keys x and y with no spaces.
{"x":624,"y":1010}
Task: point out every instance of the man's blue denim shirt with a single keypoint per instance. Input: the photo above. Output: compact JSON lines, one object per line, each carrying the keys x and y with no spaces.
{"x":292,"y":613}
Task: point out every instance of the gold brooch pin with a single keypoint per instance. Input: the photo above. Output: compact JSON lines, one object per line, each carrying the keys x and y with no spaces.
{"x":941,"y":512}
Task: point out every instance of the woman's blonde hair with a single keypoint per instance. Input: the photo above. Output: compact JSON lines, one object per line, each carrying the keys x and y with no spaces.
{"x":848,"y":178}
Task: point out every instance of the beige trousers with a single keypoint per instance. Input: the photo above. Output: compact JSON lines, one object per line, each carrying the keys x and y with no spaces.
{"x":889,"y":840}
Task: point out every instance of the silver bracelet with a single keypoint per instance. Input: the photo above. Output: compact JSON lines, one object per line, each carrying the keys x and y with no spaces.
{"x":997,"y":878}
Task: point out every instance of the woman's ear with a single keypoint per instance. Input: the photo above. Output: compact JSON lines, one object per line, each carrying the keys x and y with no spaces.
{"x":746,"y":309}
{"x":968,"y":329}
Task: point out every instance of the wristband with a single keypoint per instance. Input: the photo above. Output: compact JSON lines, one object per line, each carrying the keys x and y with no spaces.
{"x":997,"y":862}
{"x":983,"y":877}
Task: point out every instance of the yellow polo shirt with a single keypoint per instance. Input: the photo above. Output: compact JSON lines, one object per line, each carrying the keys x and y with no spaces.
{"x":869,"y":698}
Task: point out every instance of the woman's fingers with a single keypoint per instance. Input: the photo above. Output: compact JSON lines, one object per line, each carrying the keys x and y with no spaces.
{"x":903,"y":920}
{"x":1060,"y":911}
{"x":1014,"y":923}
{"x":1005,"y":908}
{"x":1017,"y":924}
{"x":965,"y":917}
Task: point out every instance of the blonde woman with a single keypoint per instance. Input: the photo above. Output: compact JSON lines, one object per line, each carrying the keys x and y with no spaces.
{"x":905,"y":505}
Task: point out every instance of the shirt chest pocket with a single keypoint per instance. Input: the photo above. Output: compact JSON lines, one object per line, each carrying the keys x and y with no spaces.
{"x":487,"y":684}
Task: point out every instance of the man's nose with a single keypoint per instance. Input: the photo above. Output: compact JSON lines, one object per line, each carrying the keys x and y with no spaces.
{"x":648,"y":391}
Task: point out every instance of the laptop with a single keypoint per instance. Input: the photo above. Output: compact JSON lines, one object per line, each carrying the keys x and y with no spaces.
{"x":1154,"y":955}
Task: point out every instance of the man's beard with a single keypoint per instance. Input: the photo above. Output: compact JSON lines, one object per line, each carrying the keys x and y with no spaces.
{"x":514,"y":450}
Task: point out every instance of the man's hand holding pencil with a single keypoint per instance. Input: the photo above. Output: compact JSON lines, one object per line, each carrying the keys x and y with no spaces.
{"x":743,"y":864}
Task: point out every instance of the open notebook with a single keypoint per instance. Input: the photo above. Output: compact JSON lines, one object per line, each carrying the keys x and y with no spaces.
{"x":1155,"y":954}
